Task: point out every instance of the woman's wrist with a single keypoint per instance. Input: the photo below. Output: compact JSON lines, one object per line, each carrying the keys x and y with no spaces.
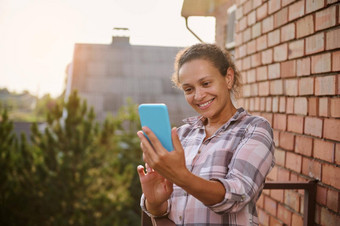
{"x":156,"y":210}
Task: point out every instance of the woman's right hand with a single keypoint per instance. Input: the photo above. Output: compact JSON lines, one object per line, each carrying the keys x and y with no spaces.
{"x":156,"y":189}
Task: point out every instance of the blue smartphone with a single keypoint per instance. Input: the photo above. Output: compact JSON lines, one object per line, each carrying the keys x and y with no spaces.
{"x":156,"y":117}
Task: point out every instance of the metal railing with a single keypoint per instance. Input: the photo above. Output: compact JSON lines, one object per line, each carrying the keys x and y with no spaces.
{"x":308,"y":210}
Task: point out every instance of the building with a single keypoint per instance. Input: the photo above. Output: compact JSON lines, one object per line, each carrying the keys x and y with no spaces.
{"x":288,"y":52}
{"x":106,"y":75}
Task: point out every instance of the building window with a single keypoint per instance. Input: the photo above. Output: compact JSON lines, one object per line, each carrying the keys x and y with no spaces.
{"x":230,"y":29}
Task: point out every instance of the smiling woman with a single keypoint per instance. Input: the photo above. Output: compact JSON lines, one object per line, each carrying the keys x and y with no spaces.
{"x":216,"y":172}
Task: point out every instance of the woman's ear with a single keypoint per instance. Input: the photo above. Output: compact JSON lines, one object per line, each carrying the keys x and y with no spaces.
{"x":230,"y":78}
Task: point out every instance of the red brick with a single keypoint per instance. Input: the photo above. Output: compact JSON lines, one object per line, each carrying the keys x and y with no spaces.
{"x":261,"y":43}
{"x":275,"y":102}
{"x":276,"y":87}
{"x":295,"y":124}
{"x":264,"y":88}
{"x":273,"y":6}
{"x":321,"y":195}
{"x":287,"y":143}
{"x":290,"y":105}
{"x":331,"y":175}
{"x":288,"y":32}
{"x":260,"y":202}
{"x":284,"y":215}
{"x":263,"y":217}
{"x":251,"y":47}
{"x":297,"y":219}
{"x":239,"y":12}
{"x":324,"y":150}
{"x":268,"y":24}
{"x":301,"y":106}
{"x":313,"y":106}
{"x":311,"y":168}
{"x":321,"y":63}
{"x":283,"y":174}
{"x":280,"y":122}
{"x":262,"y":103}
{"x":256,"y":60}
{"x":304,"y":145}
{"x":274,"y":37}
{"x":276,"y":138}
{"x":325,"y":18}
{"x":247,"y":7}
{"x":313,"y":126}
{"x":335,"y":107}
{"x":292,"y":199}
{"x":267,"y":56}
{"x":333,"y":200}
{"x":328,"y":218}
{"x":256,"y":30}
{"x":315,"y":43}
{"x":246,"y":63}
{"x":270,"y":205}
{"x":251,"y":76}
{"x":296,"y":49}
{"x":332,"y":39}
{"x":281,"y":17}
{"x":325,"y":85}
{"x":242,"y":24}
{"x":257,"y":3}
{"x":303,"y":66}
{"x":277,"y":195}
{"x":335,"y":61}
{"x":281,"y":52}
{"x":337,"y":89}
{"x":313,"y":5}
{"x":305,"y":26}
{"x":337,"y":153}
{"x":324,"y":106}
{"x":254,"y":91}
{"x":268,"y":104}
{"x":282,"y":104}
{"x":272,"y":174}
{"x":331,"y":129}
{"x":274,"y":222}
{"x":247,"y":35}
{"x":296,"y":10}
{"x":288,"y":69}
{"x":251,"y":18}
{"x":262,"y":11}
{"x":291,"y":87}
{"x":280,"y":157}
{"x":238,"y":39}
{"x":287,"y":2}
{"x":261,"y":73}
{"x":306,"y":86}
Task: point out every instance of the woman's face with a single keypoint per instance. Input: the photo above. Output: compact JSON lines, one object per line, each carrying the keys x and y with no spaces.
{"x":205,"y":89}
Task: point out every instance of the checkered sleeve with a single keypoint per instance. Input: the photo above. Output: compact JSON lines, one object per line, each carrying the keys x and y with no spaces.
{"x":252,"y":161}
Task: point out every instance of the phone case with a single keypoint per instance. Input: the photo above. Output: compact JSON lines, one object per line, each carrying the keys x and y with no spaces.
{"x":156,"y":117}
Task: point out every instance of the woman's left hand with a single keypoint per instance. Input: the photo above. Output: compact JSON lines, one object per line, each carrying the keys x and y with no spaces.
{"x":170,"y":165}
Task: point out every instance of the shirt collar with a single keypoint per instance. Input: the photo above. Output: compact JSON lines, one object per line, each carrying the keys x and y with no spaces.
{"x":197,"y":121}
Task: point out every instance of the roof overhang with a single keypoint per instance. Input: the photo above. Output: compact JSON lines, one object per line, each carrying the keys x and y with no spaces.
{"x":199,"y":7}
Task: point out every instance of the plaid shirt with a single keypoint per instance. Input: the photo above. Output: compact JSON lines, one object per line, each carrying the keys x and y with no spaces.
{"x":240,"y":154}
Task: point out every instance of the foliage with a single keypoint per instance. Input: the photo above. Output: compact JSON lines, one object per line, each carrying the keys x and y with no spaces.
{"x":75,"y":172}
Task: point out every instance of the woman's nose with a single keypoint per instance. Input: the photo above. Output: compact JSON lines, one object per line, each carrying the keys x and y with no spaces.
{"x":199,"y":94}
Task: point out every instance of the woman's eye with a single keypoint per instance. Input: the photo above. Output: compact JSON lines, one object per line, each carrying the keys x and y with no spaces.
{"x":206,"y":83}
{"x":187,"y":90}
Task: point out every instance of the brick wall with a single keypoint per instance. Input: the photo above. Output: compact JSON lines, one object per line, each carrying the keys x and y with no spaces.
{"x":289,"y":55}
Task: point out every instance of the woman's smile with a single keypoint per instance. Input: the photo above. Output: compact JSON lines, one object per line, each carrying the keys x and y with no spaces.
{"x":205,"y":105}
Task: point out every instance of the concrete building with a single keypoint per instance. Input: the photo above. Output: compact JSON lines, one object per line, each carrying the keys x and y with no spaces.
{"x":106,"y":75}
{"x":288,"y":52}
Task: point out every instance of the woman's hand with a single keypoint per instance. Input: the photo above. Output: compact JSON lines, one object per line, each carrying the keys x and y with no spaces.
{"x":156,"y":189}
{"x":170,"y":165}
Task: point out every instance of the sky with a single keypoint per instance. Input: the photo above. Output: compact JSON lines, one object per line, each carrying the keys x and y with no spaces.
{"x":37,"y":37}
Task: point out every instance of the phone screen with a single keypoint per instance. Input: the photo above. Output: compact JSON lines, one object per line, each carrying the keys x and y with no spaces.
{"x":156,"y":117}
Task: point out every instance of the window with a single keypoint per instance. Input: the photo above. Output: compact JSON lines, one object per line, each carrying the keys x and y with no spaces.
{"x":230,"y":29}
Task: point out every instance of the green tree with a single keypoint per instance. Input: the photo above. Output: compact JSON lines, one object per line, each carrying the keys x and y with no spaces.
{"x":76,"y":172}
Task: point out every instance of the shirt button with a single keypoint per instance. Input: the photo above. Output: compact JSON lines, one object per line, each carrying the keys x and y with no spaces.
{"x":199,"y":151}
{"x":180,"y":218}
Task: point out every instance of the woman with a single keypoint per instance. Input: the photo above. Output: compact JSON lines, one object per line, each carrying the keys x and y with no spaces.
{"x":217,"y":169}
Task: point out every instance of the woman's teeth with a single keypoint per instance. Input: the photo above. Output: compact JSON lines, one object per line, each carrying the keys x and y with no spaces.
{"x":206,"y":103}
